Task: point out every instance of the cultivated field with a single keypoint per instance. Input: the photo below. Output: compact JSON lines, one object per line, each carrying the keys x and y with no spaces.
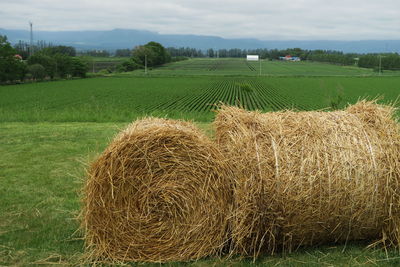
{"x":123,"y":99}
{"x":241,"y":67}
{"x":95,"y":64}
{"x":49,"y":131}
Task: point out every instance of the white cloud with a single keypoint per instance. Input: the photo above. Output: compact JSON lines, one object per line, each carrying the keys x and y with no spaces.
{"x":277,"y":19}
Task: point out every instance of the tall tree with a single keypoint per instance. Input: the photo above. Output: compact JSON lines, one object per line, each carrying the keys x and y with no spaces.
{"x":154,"y":53}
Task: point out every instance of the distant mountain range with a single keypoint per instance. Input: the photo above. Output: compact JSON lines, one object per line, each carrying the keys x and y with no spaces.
{"x":122,"y":38}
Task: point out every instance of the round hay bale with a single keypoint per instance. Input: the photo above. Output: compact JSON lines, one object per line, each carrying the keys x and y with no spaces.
{"x":308,"y":178}
{"x":159,"y":192}
{"x":374,"y":115}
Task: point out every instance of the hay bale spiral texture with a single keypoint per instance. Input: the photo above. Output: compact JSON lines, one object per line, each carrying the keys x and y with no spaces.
{"x":309,"y":178}
{"x":159,"y":192}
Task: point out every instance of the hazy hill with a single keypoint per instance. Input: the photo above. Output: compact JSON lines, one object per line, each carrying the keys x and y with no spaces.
{"x":122,"y":38}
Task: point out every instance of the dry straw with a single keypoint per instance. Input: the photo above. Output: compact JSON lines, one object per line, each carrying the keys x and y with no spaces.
{"x":308,"y":178}
{"x":159,"y":192}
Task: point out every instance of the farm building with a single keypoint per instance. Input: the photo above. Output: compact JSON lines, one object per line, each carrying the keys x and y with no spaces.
{"x":252,"y":57}
{"x":289,"y":58}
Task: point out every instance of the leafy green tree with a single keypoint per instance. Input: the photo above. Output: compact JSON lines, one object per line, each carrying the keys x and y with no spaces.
{"x":390,"y":61}
{"x":162,"y":55}
{"x":368,"y":61}
{"x":46,"y":61}
{"x":78,"y":67}
{"x":37,"y":71}
{"x":63,"y":65}
{"x":142,"y":54}
{"x":11,"y":68}
{"x":128,"y":65}
{"x":154,"y":53}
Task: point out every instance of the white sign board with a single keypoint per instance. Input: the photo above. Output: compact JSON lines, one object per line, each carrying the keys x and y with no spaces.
{"x":252,"y":57}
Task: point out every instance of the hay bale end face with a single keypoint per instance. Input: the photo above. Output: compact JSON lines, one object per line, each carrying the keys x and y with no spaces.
{"x":160,"y":192}
{"x":309,"y":178}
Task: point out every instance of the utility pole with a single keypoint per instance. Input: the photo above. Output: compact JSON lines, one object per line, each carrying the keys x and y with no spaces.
{"x":260,"y":65}
{"x":145,"y":64}
{"x":380,"y":64}
{"x":31,"y":41}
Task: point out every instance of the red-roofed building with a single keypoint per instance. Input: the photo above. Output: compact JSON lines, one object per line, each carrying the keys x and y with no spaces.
{"x":290,"y":58}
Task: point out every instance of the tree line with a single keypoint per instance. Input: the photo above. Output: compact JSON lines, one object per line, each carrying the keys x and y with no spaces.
{"x":19,"y":63}
{"x":387,"y":61}
{"x":158,"y":55}
{"x":49,"y":61}
{"x":24,"y":49}
{"x":150,"y":55}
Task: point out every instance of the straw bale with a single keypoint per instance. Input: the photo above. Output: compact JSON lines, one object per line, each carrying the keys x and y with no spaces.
{"x":159,"y":192}
{"x":309,"y":178}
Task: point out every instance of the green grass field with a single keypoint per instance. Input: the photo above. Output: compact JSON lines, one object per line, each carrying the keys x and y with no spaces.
{"x":41,"y":172}
{"x":50,"y":131}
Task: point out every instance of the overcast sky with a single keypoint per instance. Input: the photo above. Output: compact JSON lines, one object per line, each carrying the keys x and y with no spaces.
{"x":269,"y":19}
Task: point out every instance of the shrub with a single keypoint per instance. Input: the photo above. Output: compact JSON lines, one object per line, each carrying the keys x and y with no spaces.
{"x":128,"y":65}
{"x":37,"y":71}
{"x":78,"y":67}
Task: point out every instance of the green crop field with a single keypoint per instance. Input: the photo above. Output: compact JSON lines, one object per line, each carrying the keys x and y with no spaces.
{"x":49,"y":132}
{"x":123,"y":99}
{"x":241,"y":67}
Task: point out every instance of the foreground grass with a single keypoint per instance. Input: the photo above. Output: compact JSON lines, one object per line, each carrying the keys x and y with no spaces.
{"x":41,"y":172}
{"x":41,"y":169}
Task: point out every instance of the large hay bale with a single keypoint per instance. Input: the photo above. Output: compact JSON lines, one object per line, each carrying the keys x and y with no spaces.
{"x":308,"y":178}
{"x":159,"y":192}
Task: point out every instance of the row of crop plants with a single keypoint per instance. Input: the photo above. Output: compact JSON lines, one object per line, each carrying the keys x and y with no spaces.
{"x":229,"y":65}
{"x":251,"y":94}
{"x":273,"y":94}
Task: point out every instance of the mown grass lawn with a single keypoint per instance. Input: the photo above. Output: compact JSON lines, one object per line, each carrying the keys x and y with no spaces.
{"x":41,"y":172}
{"x":42,"y":168}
